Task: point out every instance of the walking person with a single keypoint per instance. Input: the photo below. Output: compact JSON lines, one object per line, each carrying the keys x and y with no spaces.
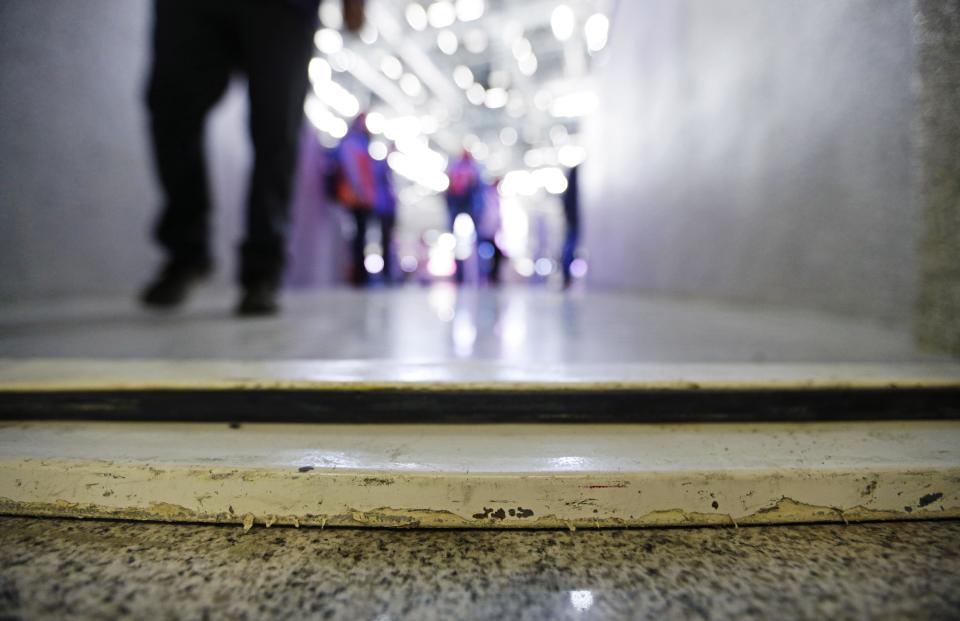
{"x":464,"y":195}
{"x":364,"y":187}
{"x":488,"y":228}
{"x":197,"y":47}
{"x":571,"y":215}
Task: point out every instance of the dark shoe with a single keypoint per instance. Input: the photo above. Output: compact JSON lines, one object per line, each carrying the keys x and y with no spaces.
{"x":258,"y":301}
{"x":173,"y":285}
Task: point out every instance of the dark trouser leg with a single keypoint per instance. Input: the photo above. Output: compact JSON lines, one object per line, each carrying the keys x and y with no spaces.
{"x":569,"y":250}
{"x":276,"y":41}
{"x":453,"y":211}
{"x":192,"y":52}
{"x":386,"y":239}
{"x":495,"y":262}
{"x":359,"y":244}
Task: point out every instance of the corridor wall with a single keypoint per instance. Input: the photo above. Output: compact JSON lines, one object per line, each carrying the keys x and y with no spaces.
{"x":759,"y":152}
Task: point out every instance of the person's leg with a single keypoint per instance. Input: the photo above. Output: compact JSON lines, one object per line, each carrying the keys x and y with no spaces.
{"x":191,"y":69}
{"x":386,"y":239}
{"x":277,"y":42}
{"x":495,"y":264}
{"x":359,"y":275}
{"x":192,"y":53}
{"x":453,"y":210}
{"x":569,"y":253}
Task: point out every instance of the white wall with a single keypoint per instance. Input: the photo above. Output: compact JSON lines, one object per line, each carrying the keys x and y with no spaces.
{"x":757,"y":150}
{"x":77,"y":195}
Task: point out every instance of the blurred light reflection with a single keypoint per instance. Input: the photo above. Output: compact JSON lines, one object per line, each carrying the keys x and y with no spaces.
{"x":581,"y":600}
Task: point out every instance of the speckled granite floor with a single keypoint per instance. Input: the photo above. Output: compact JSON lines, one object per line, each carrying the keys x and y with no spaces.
{"x":68,"y":569}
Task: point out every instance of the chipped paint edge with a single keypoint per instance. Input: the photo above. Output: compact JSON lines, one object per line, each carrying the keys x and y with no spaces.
{"x":784,"y":511}
{"x":268,"y":497}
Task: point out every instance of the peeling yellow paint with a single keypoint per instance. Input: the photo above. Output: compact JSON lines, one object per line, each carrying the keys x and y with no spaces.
{"x":786,"y":511}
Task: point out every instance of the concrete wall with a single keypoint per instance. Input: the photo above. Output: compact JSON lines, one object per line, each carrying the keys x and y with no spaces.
{"x":77,"y":194}
{"x":938,"y":323}
{"x":759,"y":151}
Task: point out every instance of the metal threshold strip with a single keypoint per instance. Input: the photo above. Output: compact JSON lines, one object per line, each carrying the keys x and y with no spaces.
{"x":388,"y":392}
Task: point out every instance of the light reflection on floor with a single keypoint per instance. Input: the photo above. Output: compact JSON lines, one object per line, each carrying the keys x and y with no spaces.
{"x":442,"y":323}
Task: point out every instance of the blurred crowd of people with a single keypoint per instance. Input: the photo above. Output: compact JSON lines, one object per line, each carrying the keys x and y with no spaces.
{"x":197,"y":47}
{"x":363,"y":185}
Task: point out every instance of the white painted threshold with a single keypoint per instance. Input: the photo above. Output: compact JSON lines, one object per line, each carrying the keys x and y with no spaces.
{"x":65,"y":374}
{"x":482,"y":476}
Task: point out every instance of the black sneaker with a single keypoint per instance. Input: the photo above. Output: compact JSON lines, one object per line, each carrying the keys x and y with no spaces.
{"x":259,"y":300}
{"x":173,"y":285}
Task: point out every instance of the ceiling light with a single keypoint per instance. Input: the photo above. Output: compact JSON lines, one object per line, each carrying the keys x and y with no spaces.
{"x":391,"y":67}
{"x":463,"y":76}
{"x":596,"y":31}
{"x":511,"y":30}
{"x":410,"y":85}
{"x":416,"y":16}
{"x":573,"y":105}
{"x":331,"y":15}
{"x":521,"y":48}
{"x":476,"y":94}
{"x":429,"y":124}
{"x":562,"y":22}
{"x":533,"y":158}
{"x":496,"y":98}
{"x":441,"y":14}
{"x":375,"y":122}
{"x":369,"y":34}
{"x":447,"y":42}
{"x":475,"y":41}
{"x":319,"y":70}
{"x":570,"y":155}
{"x":344,"y":60}
{"x":528,"y":65}
{"x":328,"y":41}
{"x":378,"y":150}
{"x":469,"y":10}
{"x":338,"y":98}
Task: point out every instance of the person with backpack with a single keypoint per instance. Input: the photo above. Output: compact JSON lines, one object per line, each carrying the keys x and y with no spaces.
{"x":464,"y":195}
{"x":364,"y":186}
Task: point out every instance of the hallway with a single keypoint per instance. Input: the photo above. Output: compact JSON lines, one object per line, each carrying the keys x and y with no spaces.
{"x":744,"y":402}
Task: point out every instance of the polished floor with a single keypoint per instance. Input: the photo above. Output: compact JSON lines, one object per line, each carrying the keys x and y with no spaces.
{"x":70,"y":569}
{"x":438,"y":324}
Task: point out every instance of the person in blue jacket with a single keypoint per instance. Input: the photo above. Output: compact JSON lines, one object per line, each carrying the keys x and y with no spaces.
{"x":464,"y":194}
{"x":365,"y":189}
